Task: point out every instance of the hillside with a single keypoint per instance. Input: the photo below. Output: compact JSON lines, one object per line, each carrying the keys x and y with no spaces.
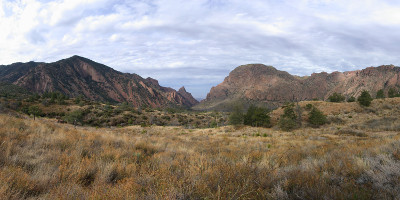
{"x":8,"y":90}
{"x":77,"y":76}
{"x":267,"y":86}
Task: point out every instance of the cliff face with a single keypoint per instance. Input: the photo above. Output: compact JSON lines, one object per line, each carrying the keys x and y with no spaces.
{"x":260,"y":84}
{"x":182,"y":91}
{"x":80,"y":76}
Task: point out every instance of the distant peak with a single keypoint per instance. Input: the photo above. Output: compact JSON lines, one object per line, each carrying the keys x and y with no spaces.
{"x":77,"y":57}
{"x":182,"y":89}
{"x":256,"y":67}
{"x":152,"y":81}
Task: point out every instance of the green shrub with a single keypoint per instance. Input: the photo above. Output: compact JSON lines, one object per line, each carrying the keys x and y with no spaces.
{"x":74,"y":116}
{"x":213,"y":124}
{"x":393,"y":93}
{"x":316,"y":118}
{"x":365,"y":99}
{"x":287,"y":121}
{"x":35,"y":111}
{"x":309,"y":106}
{"x":257,"y":116}
{"x":336,"y":97}
{"x":351,"y":99}
{"x":9,"y":90}
{"x":287,"y":124}
{"x":380,"y":94}
{"x":122,"y":107}
{"x":236,"y":116}
{"x":77,"y":100}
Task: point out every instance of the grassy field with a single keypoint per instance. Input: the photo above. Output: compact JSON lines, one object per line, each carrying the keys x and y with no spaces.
{"x":356,"y":156}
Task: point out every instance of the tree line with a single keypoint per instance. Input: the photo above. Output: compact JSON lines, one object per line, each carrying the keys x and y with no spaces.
{"x":289,"y":120}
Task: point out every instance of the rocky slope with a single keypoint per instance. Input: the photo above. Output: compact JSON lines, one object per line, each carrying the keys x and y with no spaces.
{"x":267,"y":86}
{"x":80,"y":76}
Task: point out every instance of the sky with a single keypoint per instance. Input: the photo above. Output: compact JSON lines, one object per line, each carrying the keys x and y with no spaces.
{"x":196,"y":43}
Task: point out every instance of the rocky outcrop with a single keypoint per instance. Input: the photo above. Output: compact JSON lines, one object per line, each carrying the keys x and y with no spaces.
{"x":80,"y":76}
{"x":188,"y":96}
{"x":267,"y":86}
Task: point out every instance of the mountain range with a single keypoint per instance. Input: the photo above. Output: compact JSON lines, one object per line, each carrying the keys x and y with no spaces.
{"x":247,"y":84}
{"x":266,"y":86}
{"x":77,"y":76}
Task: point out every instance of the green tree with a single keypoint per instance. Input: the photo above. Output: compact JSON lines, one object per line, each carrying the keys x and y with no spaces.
{"x":35,"y":111}
{"x":336,"y":97}
{"x":257,"y":116}
{"x":316,"y":118}
{"x":365,"y":98}
{"x":380,"y":94}
{"x":247,"y":118}
{"x":351,"y":99}
{"x":74,"y":117}
{"x":287,"y":121}
{"x":236,"y":116}
{"x":393,"y":93}
{"x":33,"y":98}
{"x":309,"y":106}
{"x":77,"y":100}
{"x":213,"y":124}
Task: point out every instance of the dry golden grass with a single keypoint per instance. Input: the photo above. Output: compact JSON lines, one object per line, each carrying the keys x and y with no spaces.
{"x":45,"y":160}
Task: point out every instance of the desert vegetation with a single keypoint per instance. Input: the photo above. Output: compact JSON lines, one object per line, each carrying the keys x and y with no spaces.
{"x":336,"y":97}
{"x":354,"y":156}
{"x":303,"y":150}
{"x":80,"y":111}
{"x":365,"y":98}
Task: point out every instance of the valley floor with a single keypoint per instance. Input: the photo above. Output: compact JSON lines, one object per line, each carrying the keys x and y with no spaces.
{"x":43,"y":159}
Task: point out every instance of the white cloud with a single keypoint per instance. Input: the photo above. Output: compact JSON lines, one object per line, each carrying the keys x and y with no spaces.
{"x":184,"y":42}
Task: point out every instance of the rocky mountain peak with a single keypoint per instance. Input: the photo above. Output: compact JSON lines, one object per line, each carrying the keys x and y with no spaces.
{"x":77,"y":75}
{"x":182,"y":90}
{"x":152,"y":81}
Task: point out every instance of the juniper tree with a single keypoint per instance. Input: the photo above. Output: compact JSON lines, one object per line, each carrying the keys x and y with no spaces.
{"x":336,"y":97}
{"x":316,"y":118}
{"x":236,"y":116}
{"x":365,"y":98}
{"x":287,"y":121}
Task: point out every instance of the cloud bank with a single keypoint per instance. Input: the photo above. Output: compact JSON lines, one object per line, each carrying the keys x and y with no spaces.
{"x":197,"y":43}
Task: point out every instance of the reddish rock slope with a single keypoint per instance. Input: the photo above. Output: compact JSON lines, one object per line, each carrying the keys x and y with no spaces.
{"x":265,"y":85}
{"x":80,"y":76}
